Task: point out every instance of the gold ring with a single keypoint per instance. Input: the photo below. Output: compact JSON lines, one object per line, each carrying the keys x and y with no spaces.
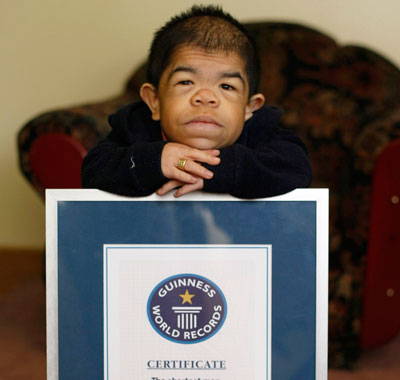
{"x":182,"y":163}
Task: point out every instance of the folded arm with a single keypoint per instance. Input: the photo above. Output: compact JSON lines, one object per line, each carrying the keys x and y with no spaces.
{"x":132,"y":170}
{"x":266,"y":168}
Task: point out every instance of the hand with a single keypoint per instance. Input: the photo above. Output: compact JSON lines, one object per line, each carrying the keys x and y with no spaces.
{"x":171,"y":154}
{"x":185,"y":188}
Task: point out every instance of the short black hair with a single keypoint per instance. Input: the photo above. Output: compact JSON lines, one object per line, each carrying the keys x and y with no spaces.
{"x":208,"y":28}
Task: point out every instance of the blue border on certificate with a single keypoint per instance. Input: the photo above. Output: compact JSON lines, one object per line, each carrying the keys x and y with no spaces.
{"x":84,"y":226}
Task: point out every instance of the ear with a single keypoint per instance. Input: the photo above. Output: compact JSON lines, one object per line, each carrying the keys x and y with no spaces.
{"x":254,"y":103}
{"x":149,"y":95}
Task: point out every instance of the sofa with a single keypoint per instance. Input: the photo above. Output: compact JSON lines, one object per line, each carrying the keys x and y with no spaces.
{"x":344,"y":101}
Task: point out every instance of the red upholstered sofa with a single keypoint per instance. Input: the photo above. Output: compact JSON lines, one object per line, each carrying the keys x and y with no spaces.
{"x":344,"y":101}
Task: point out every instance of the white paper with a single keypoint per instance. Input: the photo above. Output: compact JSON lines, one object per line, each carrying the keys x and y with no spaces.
{"x":139,"y":347}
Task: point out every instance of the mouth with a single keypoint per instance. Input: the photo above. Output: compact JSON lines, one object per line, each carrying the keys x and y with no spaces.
{"x":204,"y":122}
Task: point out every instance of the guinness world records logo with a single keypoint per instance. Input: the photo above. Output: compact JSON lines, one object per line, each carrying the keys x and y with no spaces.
{"x":186,"y":308}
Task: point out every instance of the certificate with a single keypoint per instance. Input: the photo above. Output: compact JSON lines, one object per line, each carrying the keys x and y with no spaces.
{"x":205,"y":287}
{"x":187,"y":312}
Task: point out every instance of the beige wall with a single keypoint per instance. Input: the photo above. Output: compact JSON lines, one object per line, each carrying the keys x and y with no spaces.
{"x":56,"y":53}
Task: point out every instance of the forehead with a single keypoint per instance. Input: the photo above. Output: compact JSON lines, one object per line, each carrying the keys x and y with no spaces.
{"x":202,"y":61}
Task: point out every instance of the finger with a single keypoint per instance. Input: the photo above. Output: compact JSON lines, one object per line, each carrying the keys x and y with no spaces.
{"x":168,"y":186}
{"x":183,"y":176}
{"x":213,"y":152}
{"x":203,"y":156}
{"x":187,"y":188}
{"x":197,"y":170}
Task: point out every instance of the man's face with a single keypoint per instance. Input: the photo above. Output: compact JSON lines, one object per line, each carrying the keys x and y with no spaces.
{"x":202,"y":99}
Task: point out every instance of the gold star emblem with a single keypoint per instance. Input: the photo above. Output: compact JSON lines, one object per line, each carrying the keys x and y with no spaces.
{"x":186,"y":297}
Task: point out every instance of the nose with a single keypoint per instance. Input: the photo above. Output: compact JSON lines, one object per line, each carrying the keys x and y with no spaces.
{"x":205,"y":97}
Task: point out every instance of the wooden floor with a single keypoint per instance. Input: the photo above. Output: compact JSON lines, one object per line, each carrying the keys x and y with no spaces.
{"x":22,"y":315}
{"x":17,"y":266}
{"x":23,"y":333}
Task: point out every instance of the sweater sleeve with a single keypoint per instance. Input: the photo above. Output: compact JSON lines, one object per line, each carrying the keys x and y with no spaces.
{"x":132,"y":170}
{"x":275,"y":164}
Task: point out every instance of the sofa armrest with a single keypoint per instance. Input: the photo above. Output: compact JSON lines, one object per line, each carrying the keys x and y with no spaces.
{"x":381,"y":306}
{"x":52,"y":145}
{"x":374,"y":138}
{"x":377,"y":155}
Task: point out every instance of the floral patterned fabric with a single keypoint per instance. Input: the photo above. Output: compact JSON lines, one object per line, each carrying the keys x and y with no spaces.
{"x":345,"y":104}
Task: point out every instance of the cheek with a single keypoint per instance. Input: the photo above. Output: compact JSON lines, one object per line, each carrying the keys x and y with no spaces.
{"x":167,"y":110}
{"x":237,"y":115}
{"x":173,"y":103}
{"x":237,"y":122}
{"x":171,"y":115}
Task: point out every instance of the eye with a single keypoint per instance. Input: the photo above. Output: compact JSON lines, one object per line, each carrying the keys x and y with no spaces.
{"x":185,"y":82}
{"x":227,"y":87}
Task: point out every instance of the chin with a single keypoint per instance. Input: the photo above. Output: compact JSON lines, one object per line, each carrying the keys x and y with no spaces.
{"x":202,"y":144}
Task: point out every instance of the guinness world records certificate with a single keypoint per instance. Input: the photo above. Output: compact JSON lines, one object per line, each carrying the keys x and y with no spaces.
{"x":205,"y":287}
{"x":216,"y":326}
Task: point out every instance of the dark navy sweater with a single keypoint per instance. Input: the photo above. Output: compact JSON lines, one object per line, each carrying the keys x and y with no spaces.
{"x":265,"y":160}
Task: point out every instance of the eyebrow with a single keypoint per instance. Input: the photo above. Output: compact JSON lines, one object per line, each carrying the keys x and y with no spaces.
{"x":235,"y":74}
{"x":188,"y":69}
